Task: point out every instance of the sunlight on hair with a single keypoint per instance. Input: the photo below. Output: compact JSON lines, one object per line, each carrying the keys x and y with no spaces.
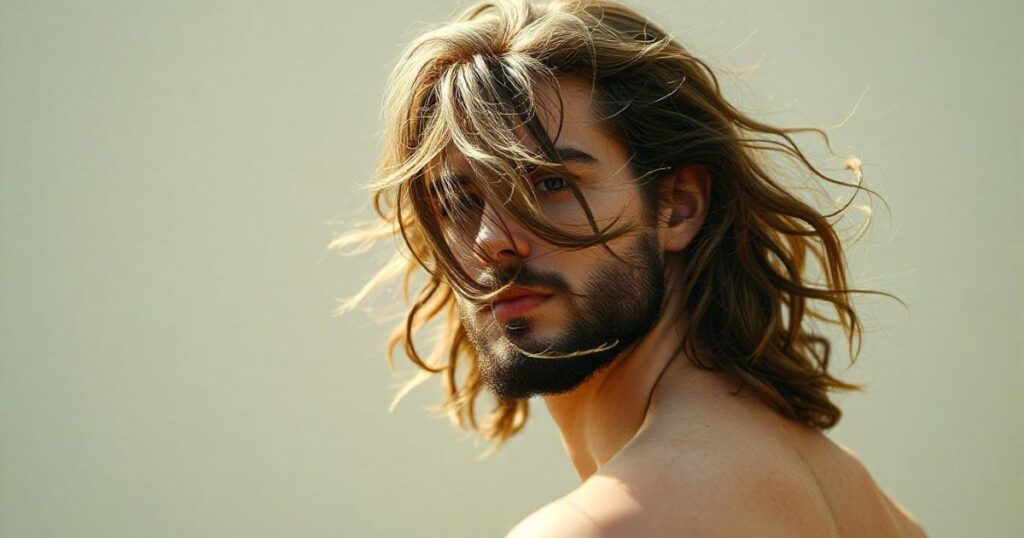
{"x":547,"y":355}
{"x":465,"y":87}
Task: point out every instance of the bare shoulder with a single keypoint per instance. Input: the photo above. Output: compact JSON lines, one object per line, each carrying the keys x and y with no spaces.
{"x":560,"y":518}
{"x":907,"y":523}
{"x":701,"y":493}
{"x":591,"y":511}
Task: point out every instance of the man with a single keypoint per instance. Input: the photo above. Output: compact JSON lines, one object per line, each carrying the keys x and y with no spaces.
{"x":598,"y":227}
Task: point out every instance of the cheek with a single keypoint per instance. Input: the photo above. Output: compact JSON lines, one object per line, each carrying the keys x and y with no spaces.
{"x":565,"y":211}
{"x":581,"y":267}
{"x":463,"y":308}
{"x":463,"y":253}
{"x":605,"y":204}
{"x":576,"y":265}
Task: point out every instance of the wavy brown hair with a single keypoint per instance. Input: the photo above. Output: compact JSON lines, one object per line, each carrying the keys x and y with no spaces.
{"x":472,"y":86}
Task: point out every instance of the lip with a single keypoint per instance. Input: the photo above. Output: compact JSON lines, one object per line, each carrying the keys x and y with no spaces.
{"x":517,"y":302}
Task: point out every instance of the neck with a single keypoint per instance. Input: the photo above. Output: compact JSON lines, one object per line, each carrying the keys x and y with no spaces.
{"x":601,"y":416}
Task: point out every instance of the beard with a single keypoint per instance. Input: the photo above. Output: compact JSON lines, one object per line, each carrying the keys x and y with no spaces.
{"x":619,"y":304}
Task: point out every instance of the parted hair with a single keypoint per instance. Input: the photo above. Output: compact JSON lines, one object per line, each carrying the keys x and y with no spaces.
{"x":473,"y":86}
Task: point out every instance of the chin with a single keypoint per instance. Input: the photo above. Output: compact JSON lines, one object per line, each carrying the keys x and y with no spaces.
{"x":510,"y":374}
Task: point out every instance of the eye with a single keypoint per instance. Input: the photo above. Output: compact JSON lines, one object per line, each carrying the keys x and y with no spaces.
{"x":551,"y":184}
{"x":467,"y":202}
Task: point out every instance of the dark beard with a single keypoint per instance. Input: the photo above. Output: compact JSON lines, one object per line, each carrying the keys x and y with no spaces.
{"x":620,"y":304}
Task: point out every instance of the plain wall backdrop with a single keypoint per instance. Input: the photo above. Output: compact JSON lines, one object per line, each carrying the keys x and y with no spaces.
{"x":173,"y":171}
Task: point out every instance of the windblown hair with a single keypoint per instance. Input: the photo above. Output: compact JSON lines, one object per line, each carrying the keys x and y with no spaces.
{"x":472,"y":86}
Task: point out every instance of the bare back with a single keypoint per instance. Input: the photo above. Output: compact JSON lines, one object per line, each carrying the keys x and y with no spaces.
{"x":857,"y":506}
{"x":699,"y":444}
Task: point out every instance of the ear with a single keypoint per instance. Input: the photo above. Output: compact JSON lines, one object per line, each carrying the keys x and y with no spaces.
{"x":683,"y":204}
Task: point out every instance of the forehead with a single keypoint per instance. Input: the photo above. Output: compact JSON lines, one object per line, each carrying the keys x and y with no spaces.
{"x":572,"y":123}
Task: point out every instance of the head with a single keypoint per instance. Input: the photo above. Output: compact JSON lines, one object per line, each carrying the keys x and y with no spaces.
{"x":585,"y":303}
{"x":575,"y":151}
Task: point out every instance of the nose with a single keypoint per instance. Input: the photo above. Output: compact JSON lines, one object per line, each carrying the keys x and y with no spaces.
{"x":502,"y":237}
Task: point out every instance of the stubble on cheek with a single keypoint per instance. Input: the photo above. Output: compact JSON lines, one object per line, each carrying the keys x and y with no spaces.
{"x":478,"y":326}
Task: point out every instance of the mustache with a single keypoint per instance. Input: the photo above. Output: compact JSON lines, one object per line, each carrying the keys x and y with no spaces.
{"x":522,"y":275}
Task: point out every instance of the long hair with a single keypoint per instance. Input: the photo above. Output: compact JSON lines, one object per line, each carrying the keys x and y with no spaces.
{"x":472,"y":86}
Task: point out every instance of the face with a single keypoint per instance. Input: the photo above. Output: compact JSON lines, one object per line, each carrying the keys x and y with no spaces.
{"x":583,"y":307}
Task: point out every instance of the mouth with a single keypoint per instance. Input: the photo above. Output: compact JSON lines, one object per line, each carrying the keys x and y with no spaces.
{"x":515,"y":307}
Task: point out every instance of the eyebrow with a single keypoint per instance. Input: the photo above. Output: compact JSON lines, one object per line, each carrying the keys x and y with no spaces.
{"x":570,"y":154}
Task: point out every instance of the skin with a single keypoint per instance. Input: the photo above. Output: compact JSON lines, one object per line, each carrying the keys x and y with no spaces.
{"x":611,"y":309}
{"x":661,"y":447}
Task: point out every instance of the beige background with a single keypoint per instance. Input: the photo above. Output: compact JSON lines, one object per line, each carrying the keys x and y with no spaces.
{"x":168,"y":363}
